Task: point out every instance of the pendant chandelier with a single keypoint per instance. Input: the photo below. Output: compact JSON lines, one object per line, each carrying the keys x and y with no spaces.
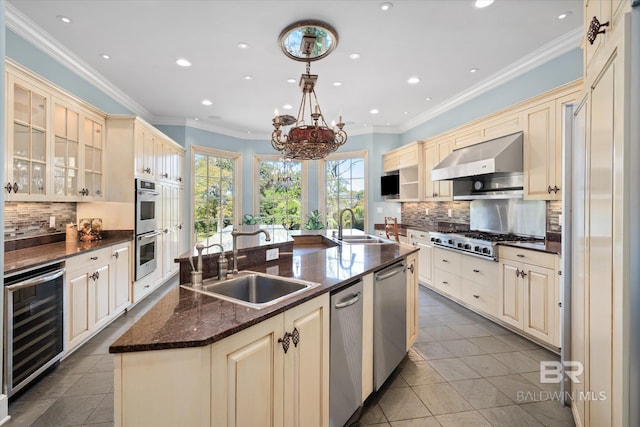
{"x":307,"y":41}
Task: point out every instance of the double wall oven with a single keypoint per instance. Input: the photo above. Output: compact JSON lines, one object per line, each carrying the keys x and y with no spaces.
{"x":146,"y":251}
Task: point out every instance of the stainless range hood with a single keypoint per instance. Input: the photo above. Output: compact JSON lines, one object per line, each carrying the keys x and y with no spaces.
{"x":501,"y":156}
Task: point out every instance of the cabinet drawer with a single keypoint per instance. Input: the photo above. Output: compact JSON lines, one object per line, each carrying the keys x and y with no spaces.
{"x":143,"y":287}
{"x":447,"y":282}
{"x":482,"y":296}
{"x":479,"y":270}
{"x":446,"y":260}
{"x":87,"y":260}
{"x":541,"y":259}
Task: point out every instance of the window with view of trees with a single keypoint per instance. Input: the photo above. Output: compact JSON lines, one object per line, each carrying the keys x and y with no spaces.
{"x":345,"y":187}
{"x":214,"y":200}
{"x":279,"y":194}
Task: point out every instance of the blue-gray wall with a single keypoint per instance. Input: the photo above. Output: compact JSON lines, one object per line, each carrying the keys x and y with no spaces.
{"x":556,"y":72}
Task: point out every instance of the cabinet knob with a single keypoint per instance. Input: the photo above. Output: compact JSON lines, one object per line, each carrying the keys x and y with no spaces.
{"x":116,"y":255}
{"x":165,"y":175}
{"x":476,"y":296}
{"x":445,"y":283}
{"x":179,"y":179}
{"x":517,"y":272}
{"x":94,"y":258}
{"x":8,"y":187}
{"x":520,"y":255}
{"x":285,"y":341}
{"x":594,"y":29}
{"x":549,"y":189}
{"x":555,"y":189}
{"x":445,"y":260}
{"x":411,"y":268}
{"x":147,"y":170}
{"x":476,"y":271}
{"x":15,"y":187}
{"x":295,"y":337}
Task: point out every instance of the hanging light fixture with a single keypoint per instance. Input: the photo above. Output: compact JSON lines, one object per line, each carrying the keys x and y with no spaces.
{"x":307,"y":41}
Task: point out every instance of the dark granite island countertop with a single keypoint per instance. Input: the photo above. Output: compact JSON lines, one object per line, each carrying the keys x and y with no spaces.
{"x":183,"y":318}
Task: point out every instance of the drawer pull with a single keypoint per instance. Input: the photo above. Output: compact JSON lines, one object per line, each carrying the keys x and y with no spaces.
{"x":445,"y":283}
{"x":476,"y":271}
{"x":445,"y":260}
{"x":476,"y":296}
{"x":520,"y":256}
{"x":94,"y":258}
{"x":594,"y":29}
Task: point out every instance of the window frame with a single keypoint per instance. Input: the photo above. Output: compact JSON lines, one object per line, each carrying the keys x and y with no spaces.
{"x":304,"y":184}
{"x":322,"y":180}
{"x":236,"y":158}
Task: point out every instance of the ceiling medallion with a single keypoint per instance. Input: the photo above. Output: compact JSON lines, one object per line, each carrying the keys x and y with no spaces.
{"x":307,"y":41}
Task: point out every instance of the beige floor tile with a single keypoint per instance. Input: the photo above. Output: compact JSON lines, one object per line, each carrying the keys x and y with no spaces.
{"x":518,"y":361}
{"x":487,"y":366}
{"x":534,"y":377}
{"x":442,"y":333}
{"x":470,"y":331}
{"x":517,"y":342}
{"x":542,"y":354}
{"x":462,"y":347}
{"x":550,"y":413}
{"x":416,"y":374}
{"x":432,"y":350}
{"x":72,"y":410}
{"x":24,"y":414}
{"x":442,"y":398}
{"x":463,"y":419}
{"x":481,"y":393}
{"x":491,"y":344}
{"x":509,"y":416}
{"x":517,"y":388}
{"x":453,"y":369}
{"x":417,"y":422}
{"x":372,"y":414}
{"x":402,"y":404}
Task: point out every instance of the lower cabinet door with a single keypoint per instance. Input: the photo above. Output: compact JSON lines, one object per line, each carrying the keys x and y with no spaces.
{"x":77,"y":311}
{"x":102,"y":292}
{"x":247,"y":377}
{"x":306,"y":367}
{"x":539,"y":303}
{"x":510,"y":298}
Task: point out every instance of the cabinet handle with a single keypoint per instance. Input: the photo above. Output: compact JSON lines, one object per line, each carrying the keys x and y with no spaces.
{"x":411,"y":268}
{"x":522,"y":274}
{"x":147,"y":286}
{"x":147,"y":170}
{"x":445,"y":283}
{"x":555,"y":189}
{"x":98,"y":192}
{"x":517,"y":272}
{"x":594,"y":29}
{"x":116,"y":255}
{"x":93,"y":276}
{"x":520,"y":256}
{"x":8,"y":187}
{"x":15,"y":187}
{"x":476,"y":271}
{"x":179,"y":179}
{"x":94,"y":258}
{"x":285,"y":341}
{"x":549,"y":190}
{"x":165,"y":175}
{"x":560,"y":304}
{"x":445,"y":260}
{"x":97,"y":275}
{"x":295,"y":337}
{"x":476,"y":296}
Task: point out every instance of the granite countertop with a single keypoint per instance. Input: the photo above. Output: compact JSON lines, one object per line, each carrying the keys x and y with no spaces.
{"x":58,"y":251}
{"x":183,"y":318}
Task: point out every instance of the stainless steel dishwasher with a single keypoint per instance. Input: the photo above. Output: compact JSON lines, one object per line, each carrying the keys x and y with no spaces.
{"x":345,"y":370}
{"x":389,"y":321}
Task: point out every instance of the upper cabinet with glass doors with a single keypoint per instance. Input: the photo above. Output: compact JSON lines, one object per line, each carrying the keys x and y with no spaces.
{"x":27,"y":145}
{"x":54,"y":143}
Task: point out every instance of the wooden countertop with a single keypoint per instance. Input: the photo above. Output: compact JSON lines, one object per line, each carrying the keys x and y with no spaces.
{"x":183,"y":318}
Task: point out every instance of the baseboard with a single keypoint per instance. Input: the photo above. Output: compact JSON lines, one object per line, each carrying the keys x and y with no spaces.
{"x":4,"y":409}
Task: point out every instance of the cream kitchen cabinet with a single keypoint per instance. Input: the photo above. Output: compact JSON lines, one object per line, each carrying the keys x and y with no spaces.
{"x":435,"y":151}
{"x":529,"y":293}
{"x":121,"y":261}
{"x":54,"y":143}
{"x":413,"y":271}
{"x":420,"y":239}
{"x":479,"y":284}
{"x":88,"y":294}
{"x":407,"y":160}
{"x":247,"y":379}
{"x":446,"y":272}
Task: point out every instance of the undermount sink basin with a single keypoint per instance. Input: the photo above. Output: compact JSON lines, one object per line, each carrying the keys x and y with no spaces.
{"x":365,"y":239}
{"x":252,"y":289}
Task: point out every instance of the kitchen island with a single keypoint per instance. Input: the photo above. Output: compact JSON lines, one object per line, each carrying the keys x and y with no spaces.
{"x":198,"y":360}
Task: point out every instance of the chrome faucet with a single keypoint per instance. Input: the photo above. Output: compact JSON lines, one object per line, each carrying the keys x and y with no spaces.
{"x":353,"y":220}
{"x":234,"y":234}
{"x":222,"y":261}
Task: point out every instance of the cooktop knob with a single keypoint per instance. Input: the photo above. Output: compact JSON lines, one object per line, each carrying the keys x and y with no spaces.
{"x":485,"y":250}
{"x":477,"y":249}
{"x":467,"y":246}
{"x":450,"y":242}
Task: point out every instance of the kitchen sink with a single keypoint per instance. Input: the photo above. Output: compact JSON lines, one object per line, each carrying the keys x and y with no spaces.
{"x":252,"y":289}
{"x":365,"y":239}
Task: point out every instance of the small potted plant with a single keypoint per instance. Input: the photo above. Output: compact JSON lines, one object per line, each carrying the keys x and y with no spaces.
{"x":313,"y":221}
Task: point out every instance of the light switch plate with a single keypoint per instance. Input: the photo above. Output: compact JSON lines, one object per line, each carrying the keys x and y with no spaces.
{"x":379,"y":210}
{"x":449,"y":213}
{"x":273,"y":254}
{"x":426,"y":211}
{"x":52,"y":222}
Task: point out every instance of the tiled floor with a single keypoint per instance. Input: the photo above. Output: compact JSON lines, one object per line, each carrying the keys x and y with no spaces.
{"x":462,"y":371}
{"x":466,"y":371}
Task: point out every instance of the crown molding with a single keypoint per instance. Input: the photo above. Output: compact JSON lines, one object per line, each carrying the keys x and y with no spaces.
{"x":20,"y":24}
{"x":546,"y":53}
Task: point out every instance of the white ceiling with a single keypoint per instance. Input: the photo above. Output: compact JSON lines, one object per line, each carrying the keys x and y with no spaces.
{"x":436,"y":40}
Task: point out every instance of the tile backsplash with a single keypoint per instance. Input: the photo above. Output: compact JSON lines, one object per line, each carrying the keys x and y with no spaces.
{"x":22,"y":219}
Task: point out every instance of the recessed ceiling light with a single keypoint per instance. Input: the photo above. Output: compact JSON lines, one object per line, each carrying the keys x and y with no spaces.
{"x":248,"y":131}
{"x":482,"y":3}
{"x":388,"y":124}
{"x":337,"y":83}
{"x":386,"y":6}
{"x":243,"y":45}
{"x":196,"y":118}
{"x":105,"y":56}
{"x":406,"y":113}
{"x":374,"y":111}
{"x":428,"y":98}
{"x":354,"y":56}
{"x":413,"y":80}
{"x":207,"y":102}
{"x":64,"y":19}
{"x":565,"y":14}
{"x":473,"y":70}
{"x":287,"y":106}
{"x":247,"y":77}
{"x":291,"y":80}
{"x":183,"y":62}
{"x":365,"y":125}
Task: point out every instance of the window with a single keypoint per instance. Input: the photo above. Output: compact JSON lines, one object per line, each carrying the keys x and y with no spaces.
{"x":279,"y":191}
{"x":216,"y":175}
{"x":345,"y":186}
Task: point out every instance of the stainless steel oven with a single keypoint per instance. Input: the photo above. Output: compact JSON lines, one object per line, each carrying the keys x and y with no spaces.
{"x":33,"y":333}
{"x":146,"y":197}
{"x":146,"y":254}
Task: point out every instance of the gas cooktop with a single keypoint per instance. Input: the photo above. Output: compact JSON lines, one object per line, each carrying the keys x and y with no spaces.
{"x":480,"y":243}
